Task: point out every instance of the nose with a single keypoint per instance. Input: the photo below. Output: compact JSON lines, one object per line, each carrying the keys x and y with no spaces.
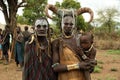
{"x":41,"y":27}
{"x":69,"y":27}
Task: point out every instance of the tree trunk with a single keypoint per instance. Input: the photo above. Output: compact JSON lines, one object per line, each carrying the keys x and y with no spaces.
{"x":13,"y":24}
{"x":9,"y":10}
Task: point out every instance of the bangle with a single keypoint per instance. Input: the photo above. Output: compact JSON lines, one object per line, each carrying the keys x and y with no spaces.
{"x":72,"y":67}
{"x":54,"y":65}
{"x":84,"y":56}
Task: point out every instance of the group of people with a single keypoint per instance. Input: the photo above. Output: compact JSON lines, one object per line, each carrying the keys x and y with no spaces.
{"x":20,"y":40}
{"x":6,"y":45}
{"x":5,"y":40}
{"x":71,"y":56}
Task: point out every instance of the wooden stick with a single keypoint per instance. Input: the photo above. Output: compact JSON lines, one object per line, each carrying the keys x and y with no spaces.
{"x":13,"y":43}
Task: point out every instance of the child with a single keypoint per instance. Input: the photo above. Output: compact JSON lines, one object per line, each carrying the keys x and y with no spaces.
{"x":86,"y":43}
{"x":88,"y":52}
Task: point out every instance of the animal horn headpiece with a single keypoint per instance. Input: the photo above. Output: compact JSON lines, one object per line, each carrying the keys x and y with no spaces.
{"x":77,"y":12}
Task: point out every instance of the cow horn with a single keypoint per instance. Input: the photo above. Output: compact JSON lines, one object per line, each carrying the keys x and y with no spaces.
{"x":85,"y":10}
{"x":52,"y":8}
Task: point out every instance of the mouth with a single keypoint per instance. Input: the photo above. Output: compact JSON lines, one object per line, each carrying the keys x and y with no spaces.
{"x":41,"y":32}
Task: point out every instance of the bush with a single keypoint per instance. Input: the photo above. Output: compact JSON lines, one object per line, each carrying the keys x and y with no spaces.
{"x":107,"y":44}
{"x":113,"y":52}
{"x":98,"y":69}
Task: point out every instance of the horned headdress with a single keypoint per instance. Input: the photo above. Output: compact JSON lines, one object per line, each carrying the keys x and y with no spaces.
{"x":77,"y":12}
{"x":72,"y":12}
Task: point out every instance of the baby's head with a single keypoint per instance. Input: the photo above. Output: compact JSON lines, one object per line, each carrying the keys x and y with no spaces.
{"x":86,"y":41}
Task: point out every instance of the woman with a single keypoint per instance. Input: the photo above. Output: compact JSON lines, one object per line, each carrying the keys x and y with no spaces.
{"x":37,"y":60}
{"x":19,"y":48}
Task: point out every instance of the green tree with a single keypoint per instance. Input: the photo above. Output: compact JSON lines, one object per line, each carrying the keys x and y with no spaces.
{"x":108,"y":18}
{"x":9,"y":9}
{"x":21,"y":20}
{"x":33,"y":10}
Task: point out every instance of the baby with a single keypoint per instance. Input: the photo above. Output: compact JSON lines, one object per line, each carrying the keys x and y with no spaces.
{"x":87,"y":52}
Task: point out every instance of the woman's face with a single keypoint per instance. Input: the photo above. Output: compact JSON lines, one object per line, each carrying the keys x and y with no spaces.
{"x":41,"y":27}
{"x":68,"y":25}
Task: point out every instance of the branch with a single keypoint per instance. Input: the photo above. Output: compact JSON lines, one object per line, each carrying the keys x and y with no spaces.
{"x":20,"y":4}
{"x":2,"y":4}
{"x":4,"y":10}
{"x":1,"y":8}
{"x":26,"y":5}
{"x":23,"y":6}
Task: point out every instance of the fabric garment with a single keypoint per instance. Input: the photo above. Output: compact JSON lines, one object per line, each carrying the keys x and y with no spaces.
{"x":34,"y":68}
{"x":19,"y":52}
{"x":68,"y":57}
{"x":0,"y":46}
{"x":0,"y":41}
{"x":5,"y":45}
{"x":26,"y":35}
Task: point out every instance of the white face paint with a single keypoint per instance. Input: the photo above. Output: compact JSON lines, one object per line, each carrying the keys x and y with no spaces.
{"x":68,"y":22}
{"x":68,"y":25}
{"x":41,"y":22}
{"x":41,"y":27}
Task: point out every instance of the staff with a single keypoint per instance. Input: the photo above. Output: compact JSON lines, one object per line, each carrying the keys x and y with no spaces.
{"x":13,"y":42}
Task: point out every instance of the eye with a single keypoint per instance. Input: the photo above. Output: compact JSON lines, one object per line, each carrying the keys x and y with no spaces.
{"x":44,"y":26}
{"x":66,"y":23}
{"x":71,"y":24}
{"x":38,"y":26}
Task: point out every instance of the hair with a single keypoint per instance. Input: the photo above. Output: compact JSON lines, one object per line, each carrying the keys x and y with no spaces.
{"x":18,"y":28}
{"x":26,"y":28}
{"x":42,"y":18}
{"x":90,"y":35}
{"x":0,"y":29}
{"x":48,"y":35}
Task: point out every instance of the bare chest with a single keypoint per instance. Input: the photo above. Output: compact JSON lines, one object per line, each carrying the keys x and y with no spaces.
{"x":70,"y":42}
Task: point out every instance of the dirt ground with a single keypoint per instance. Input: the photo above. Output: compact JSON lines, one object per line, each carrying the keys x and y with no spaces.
{"x":108,"y":62}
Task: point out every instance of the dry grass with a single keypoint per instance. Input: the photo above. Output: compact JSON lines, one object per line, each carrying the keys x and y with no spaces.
{"x":107,"y":44}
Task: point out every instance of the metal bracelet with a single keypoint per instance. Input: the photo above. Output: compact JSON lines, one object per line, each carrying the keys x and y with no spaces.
{"x":54,"y":65}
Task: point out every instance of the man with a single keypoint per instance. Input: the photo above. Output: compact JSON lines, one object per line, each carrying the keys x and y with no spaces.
{"x":1,"y":56}
{"x":37,"y":64}
{"x":6,"y":43}
{"x":66,"y":61}
{"x":26,"y":34}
